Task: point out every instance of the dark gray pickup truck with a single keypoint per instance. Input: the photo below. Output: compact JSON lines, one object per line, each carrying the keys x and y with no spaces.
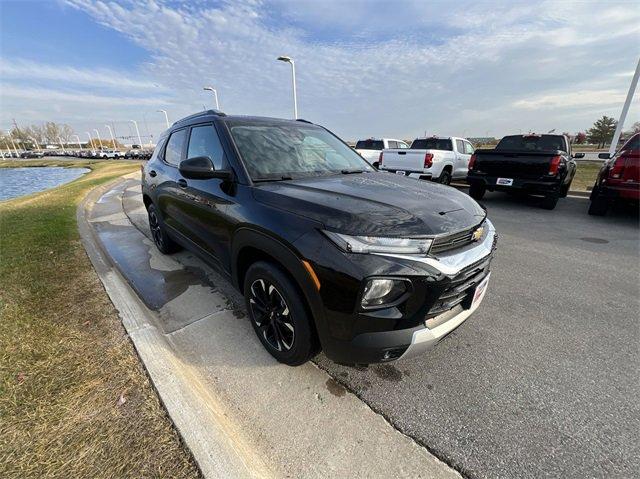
{"x":531,"y":164}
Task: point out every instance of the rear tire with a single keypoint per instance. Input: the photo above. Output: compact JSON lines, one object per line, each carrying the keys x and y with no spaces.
{"x":564,"y":191}
{"x":445,"y":177}
{"x":550,"y":201}
{"x":278,"y":314}
{"x":598,"y":206}
{"x":477,"y":191}
{"x":159,"y":234}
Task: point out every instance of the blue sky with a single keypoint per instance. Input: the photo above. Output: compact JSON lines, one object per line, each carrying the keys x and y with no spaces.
{"x":364,"y":68}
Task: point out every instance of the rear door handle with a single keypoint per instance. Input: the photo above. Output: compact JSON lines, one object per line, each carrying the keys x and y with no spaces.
{"x":153,"y":173}
{"x":182,"y":183}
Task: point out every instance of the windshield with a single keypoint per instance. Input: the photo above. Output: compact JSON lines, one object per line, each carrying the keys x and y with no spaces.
{"x":370,"y":145}
{"x":532,"y":143}
{"x":432,"y":144}
{"x":292,"y":151}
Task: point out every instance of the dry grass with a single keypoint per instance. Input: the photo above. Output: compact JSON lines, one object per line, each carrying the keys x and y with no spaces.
{"x":585,"y":175}
{"x":65,"y":360}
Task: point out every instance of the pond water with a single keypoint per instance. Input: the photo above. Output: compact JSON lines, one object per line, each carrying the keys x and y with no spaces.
{"x":16,"y":182}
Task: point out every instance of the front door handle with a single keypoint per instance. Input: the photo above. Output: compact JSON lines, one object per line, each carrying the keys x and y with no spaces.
{"x":182,"y":183}
{"x":153,"y":173}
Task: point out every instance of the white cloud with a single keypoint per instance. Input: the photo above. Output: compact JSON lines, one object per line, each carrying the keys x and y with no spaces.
{"x":382,"y":68}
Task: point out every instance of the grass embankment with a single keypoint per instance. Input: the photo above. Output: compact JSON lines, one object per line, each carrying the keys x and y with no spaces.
{"x":74,"y":398}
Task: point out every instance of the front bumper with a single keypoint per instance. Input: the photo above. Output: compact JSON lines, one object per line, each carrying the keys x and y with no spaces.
{"x":409,"y":339}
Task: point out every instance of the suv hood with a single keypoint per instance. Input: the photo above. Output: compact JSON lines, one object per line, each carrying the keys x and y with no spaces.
{"x":375,"y":204}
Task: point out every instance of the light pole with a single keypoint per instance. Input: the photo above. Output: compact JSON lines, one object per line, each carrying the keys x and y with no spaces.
{"x":93,"y":147}
{"x":113,"y":140}
{"x":293,"y":77}
{"x":166,"y":117}
{"x":79,"y":144}
{"x":137,"y":131}
{"x":625,"y":109}
{"x":99,"y":139}
{"x":215,"y":94}
{"x":62,"y":146}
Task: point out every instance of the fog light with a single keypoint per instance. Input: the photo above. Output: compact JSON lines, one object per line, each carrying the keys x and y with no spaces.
{"x":378,"y":292}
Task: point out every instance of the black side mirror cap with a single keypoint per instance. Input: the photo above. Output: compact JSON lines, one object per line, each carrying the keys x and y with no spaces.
{"x":578,"y":155}
{"x":604,"y":156}
{"x":201,"y":168}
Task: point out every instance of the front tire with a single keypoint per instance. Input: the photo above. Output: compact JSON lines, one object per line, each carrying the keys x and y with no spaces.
{"x":278,"y":315}
{"x":477,"y":191}
{"x":159,"y":234}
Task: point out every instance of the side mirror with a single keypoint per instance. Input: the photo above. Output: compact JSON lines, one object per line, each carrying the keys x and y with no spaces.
{"x":604,"y":156}
{"x":201,"y":168}
{"x":578,"y":155}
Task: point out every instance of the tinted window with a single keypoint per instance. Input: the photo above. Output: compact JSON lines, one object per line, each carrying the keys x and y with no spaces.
{"x":370,"y":145}
{"x":432,"y":144}
{"x":633,"y":143}
{"x":157,"y":152}
{"x":468,"y":148}
{"x":173,"y":153}
{"x":293,"y":151}
{"x":393,"y":144}
{"x":204,"y":141}
{"x":460,"y":146}
{"x":532,"y":143}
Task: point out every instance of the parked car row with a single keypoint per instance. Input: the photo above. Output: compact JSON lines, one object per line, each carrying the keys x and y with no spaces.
{"x":134,"y":153}
{"x":525,"y":164}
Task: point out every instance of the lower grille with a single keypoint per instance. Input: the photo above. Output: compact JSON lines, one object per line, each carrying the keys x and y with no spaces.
{"x":461,"y":287}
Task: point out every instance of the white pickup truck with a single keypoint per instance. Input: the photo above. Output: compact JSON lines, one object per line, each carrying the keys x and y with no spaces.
{"x":436,"y":158}
{"x":370,"y":149}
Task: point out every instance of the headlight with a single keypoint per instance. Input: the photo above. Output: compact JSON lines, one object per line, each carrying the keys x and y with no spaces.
{"x":376,"y":244}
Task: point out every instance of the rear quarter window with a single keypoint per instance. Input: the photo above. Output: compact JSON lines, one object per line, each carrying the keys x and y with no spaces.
{"x":370,"y":145}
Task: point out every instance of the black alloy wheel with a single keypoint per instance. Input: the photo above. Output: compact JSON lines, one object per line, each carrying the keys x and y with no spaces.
{"x":160,"y":238}
{"x":272,"y":315}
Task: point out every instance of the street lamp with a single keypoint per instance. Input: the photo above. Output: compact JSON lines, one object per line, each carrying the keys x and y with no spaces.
{"x":137,"y":131}
{"x":99,"y":139}
{"x":215,"y":94}
{"x":62,"y":146}
{"x":93,"y":147}
{"x":293,"y":77}
{"x":113,"y":140}
{"x":79,"y":144}
{"x":166,"y":117}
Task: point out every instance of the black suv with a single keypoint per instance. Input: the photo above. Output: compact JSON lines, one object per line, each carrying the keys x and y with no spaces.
{"x":328,"y":252}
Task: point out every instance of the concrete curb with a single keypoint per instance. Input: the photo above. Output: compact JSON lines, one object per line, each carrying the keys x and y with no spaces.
{"x":240,"y":413}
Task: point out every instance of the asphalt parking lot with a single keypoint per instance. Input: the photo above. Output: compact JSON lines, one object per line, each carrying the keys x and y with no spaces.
{"x":543,"y":379}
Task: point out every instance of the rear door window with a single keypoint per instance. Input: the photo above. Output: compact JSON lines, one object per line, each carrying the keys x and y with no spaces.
{"x":175,"y":146}
{"x":392,"y":144}
{"x":460,"y":146}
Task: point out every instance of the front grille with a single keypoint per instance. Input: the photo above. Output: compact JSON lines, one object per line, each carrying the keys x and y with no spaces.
{"x":452,"y":241}
{"x":461,"y":287}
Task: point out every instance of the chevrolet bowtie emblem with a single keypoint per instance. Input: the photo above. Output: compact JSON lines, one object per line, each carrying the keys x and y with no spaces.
{"x":477,"y":234}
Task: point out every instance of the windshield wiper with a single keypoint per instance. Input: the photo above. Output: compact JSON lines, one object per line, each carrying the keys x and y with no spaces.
{"x":351,"y":172}
{"x":282,"y":178}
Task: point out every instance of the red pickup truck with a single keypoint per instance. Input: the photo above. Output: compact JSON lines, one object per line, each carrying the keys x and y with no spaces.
{"x":618,"y":179}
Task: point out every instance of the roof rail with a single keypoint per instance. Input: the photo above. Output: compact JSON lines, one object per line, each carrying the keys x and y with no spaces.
{"x":211,"y":112}
{"x":304,"y":121}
